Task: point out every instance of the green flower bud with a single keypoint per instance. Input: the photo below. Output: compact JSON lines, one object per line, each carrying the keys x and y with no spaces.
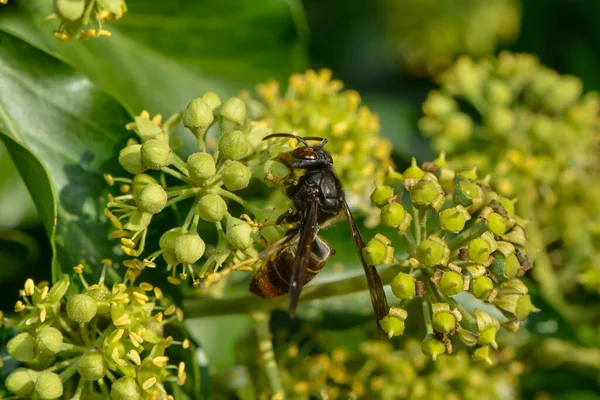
{"x":48,"y":386}
{"x":234,"y":109}
{"x":275,"y":171}
{"x":454,"y":219}
{"x":378,"y":251}
{"x":483,"y":354}
{"x":393,"y":177}
{"x":198,"y":115}
{"x":156,"y":154}
{"x":21,"y":381}
{"x":458,"y":127}
{"x":49,"y":340}
{"x":138,"y":221}
{"x":427,"y":194}
{"x":69,"y":10}
{"x":81,"y":308}
{"x":487,"y":326}
{"x":444,"y":322}
{"x":482,"y":287}
{"x":439,"y":104}
{"x":432,"y":347}
{"x":395,"y":216}
{"x":498,"y":93}
{"x":211,"y":99}
{"x":211,"y":207}
{"x":91,"y":366}
{"x":140,"y":181}
{"x":451,"y":283}
{"x":479,"y":250}
{"x":566,"y":91}
{"x":235,"y":175}
{"x":22,"y":347}
{"x":167,"y":240}
{"x":239,"y":234}
{"x":469,"y":195}
{"x":496,"y":223}
{"x":234,"y":145}
{"x":125,"y":388}
{"x":433,"y":251}
{"x":381,"y":195}
{"x":189,"y":248}
{"x":130,"y":159}
{"x":152,"y":199}
{"x":413,"y":172}
{"x":201,"y":166}
{"x":392,"y":326}
{"x":102,"y":295}
{"x":403,"y":286}
{"x":500,"y":119}
{"x":505,"y":267}
{"x":524,"y":307}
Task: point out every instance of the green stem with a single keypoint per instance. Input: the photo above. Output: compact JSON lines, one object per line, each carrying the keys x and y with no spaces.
{"x":426,"y":307}
{"x":475,"y":230}
{"x":409,"y":242}
{"x":266,"y":353}
{"x":177,"y":175}
{"x":180,"y":164}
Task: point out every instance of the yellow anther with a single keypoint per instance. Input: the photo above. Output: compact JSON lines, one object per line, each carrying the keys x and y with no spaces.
{"x":43,"y":314}
{"x":29,"y":287}
{"x":123,"y":320}
{"x":170,"y":310}
{"x":19,"y":306}
{"x":158,"y":293}
{"x":136,"y":339}
{"x":140,"y":297}
{"x":186,"y":343}
{"x":148,"y":383}
{"x":121,"y":298}
{"x":44,"y":292}
{"x":118,"y":335}
{"x":134,"y":356}
{"x":174,"y":280}
{"x":160,"y":361}
{"x":179,"y":313}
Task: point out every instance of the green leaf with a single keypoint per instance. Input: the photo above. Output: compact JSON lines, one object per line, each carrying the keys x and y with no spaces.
{"x":62,"y":134}
{"x":162,"y":54}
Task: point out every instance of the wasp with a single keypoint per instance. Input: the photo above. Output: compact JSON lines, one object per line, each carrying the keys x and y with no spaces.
{"x":318,"y":199}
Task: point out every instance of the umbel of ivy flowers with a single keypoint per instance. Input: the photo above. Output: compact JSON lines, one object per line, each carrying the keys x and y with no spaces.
{"x":84,"y":19}
{"x":230,"y":165}
{"x":538,"y":134}
{"x":98,"y":342}
{"x":462,"y":239}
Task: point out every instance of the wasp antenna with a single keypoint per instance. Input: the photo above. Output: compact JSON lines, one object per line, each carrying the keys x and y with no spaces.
{"x":286,"y":135}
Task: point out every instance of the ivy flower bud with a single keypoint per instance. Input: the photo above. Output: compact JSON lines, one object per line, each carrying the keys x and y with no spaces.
{"x":152,"y":199}
{"x":427,"y":194}
{"x":130,"y":159}
{"x":414,"y":171}
{"x":189,"y":248}
{"x":239,"y":234}
{"x":432,"y":347}
{"x":433,"y":251}
{"x":488,"y":327}
{"x":140,"y":181}
{"x":496,"y":223}
{"x":198,"y":116}
{"x":378,"y":251}
{"x":102,"y":295}
{"x":49,"y":340}
{"x":498,"y":92}
{"x":451,"y":283}
{"x":500,"y":119}
{"x":479,"y":250}
{"x":454,"y":219}
{"x":156,"y":154}
{"x":91,"y":366}
{"x":234,"y":145}
{"x":125,"y":388}
{"x":393,"y":323}
{"x":81,"y":308}
{"x":403,"y":286}
{"x":235,"y":175}
{"x":468,"y":194}
{"x":393,"y":177}
{"x":48,"y":386}
{"x":381,"y":195}
{"x":443,"y":322}
{"x":21,"y":381}
{"x":211,"y":99}
{"x":395,"y":216}
{"x":70,"y":10}
{"x":211,"y":207}
{"x":505,"y":267}
{"x":483,"y":354}
{"x":22,"y":347}
{"x":482,"y":287}
{"x":201,"y":166}
{"x":234,"y":109}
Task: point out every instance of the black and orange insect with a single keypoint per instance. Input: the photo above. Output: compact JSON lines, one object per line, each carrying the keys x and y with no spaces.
{"x":300,"y":254}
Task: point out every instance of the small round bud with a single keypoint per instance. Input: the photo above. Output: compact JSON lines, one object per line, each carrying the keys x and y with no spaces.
{"x":374,"y":252}
{"x":392,"y":177}
{"x":70,"y":10}
{"x":48,"y":386}
{"x":234,"y":109}
{"x":454,"y":219}
{"x":234,"y":145}
{"x":413,"y":171}
{"x":189,"y":248}
{"x":425,"y":194}
{"x":49,"y":340}
{"x":432,"y":347}
{"x":403,"y":286}
{"x":524,"y":307}
{"x":152,"y":199}
{"x":479,"y":250}
{"x":140,"y":181}
{"x":81,"y":308}
{"x":444,"y":322}
{"x":381,"y":195}
{"x":469,"y":195}
{"x":482,"y":287}
{"x":458,"y":127}
{"x":91,"y":366}
{"x":235,"y":175}
{"x":430,"y":252}
{"x":239,"y":234}
{"x":211,"y":207}
{"x":498,"y":93}
{"x":211,"y":99}
{"x":483,"y":354}
{"x":392,"y":326}
{"x":198,"y":114}
{"x":201,"y":166}
{"x":125,"y":388}
{"x":130,"y":159}
{"x":496,"y":223}
{"x":505,"y":267}
{"x":21,"y":381}
{"x":395,"y":216}
{"x":439,"y":104}
{"x":156,"y":154}
{"x":488,"y":337}
{"x":167,"y":240}
{"x":451,"y":283}
{"x":500,"y":119}
{"x":22,"y":347}
{"x":102,"y":295}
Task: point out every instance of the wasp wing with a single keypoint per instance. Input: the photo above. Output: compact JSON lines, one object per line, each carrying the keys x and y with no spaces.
{"x":308,"y":231}
{"x":378,"y":298}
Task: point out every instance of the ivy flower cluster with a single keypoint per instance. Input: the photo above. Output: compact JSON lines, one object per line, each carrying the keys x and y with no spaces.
{"x":84,"y":19}
{"x":231,"y":159}
{"x":429,"y":35}
{"x":460,"y":236}
{"x":538,"y":134}
{"x":98,"y":341}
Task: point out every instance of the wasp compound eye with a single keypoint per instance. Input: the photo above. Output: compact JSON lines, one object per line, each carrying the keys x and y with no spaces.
{"x":304,"y":153}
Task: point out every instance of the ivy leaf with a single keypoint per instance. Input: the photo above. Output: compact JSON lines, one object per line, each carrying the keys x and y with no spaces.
{"x":162,"y":54}
{"x":62,"y":134}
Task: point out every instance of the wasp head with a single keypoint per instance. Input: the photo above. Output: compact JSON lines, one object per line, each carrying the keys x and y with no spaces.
{"x":305,"y":157}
